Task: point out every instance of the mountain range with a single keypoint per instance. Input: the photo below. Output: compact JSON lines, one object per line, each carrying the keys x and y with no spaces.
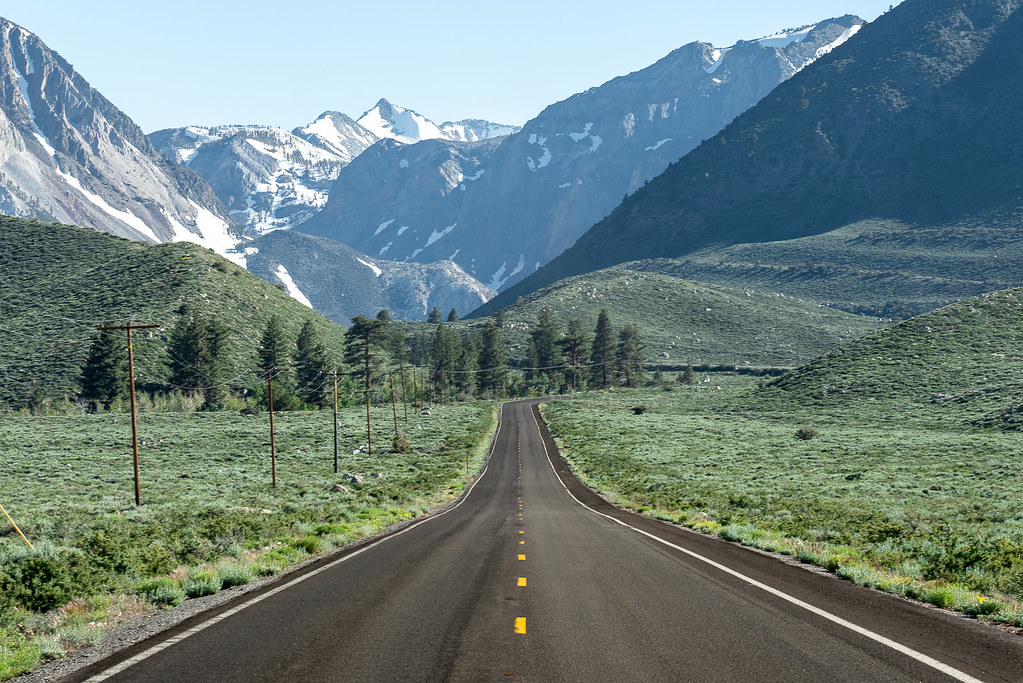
{"x":912,"y":129}
{"x":271,"y":179}
{"x":502,"y":207}
{"x":68,"y":154}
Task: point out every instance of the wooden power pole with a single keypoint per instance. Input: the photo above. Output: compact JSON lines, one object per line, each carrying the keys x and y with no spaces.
{"x":131,"y":383}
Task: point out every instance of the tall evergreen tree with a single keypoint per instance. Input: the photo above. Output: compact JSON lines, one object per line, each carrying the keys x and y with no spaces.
{"x":452,"y":316}
{"x":313,"y":366}
{"x":434,"y":316}
{"x":501,"y":318}
{"x":215,"y":343}
{"x":602,"y":355}
{"x":105,"y":373}
{"x":362,"y":341}
{"x":532,"y":370}
{"x":467,"y":377}
{"x":575,"y":345}
{"x":628,"y":356}
{"x":199,"y":353}
{"x":447,"y":350}
{"x":274,"y":347}
{"x":545,"y":337}
{"x":274,"y":359}
{"x":493,"y":361}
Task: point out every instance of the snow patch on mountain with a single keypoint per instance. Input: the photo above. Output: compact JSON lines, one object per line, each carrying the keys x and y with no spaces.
{"x":383,"y":226}
{"x":376,"y":269}
{"x":434,"y":236}
{"x":290,"y":286}
{"x":821,"y":51}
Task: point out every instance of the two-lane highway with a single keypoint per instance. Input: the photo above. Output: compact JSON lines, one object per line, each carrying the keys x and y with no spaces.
{"x":521,"y":579}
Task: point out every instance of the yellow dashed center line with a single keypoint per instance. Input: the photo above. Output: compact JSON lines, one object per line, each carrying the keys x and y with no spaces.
{"x":522,"y":581}
{"x":522,"y":557}
{"x":520,"y":624}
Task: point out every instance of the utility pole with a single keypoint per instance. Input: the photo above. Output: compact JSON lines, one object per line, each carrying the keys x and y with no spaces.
{"x":131,"y":383}
{"x":415,"y":388}
{"x":404,"y":392}
{"x":394,"y":408}
{"x":334,"y":375}
{"x":270,"y":374}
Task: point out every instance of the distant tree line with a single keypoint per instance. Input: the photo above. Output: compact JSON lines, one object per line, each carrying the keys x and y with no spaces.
{"x":440,"y":363}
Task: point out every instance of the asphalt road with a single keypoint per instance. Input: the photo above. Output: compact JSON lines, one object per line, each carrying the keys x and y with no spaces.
{"x":522,"y":580}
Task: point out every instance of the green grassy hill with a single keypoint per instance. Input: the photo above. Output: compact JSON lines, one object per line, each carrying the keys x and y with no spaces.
{"x":681,"y":320}
{"x":60,"y":282}
{"x":962,"y":364}
{"x":876,"y":267}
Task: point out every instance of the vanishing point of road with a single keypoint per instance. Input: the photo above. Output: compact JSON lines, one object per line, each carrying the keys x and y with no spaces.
{"x":532,"y":576}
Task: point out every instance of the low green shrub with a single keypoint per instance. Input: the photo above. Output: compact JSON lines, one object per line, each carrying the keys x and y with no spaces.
{"x":201,"y":583}
{"x":235,"y":574}
{"x":17,"y":654}
{"x":162,"y":591}
{"x":310,"y":544}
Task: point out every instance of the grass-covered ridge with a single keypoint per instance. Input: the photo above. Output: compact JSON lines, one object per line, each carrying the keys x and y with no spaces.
{"x":959,"y":365}
{"x":694,"y":321}
{"x":874,"y":267}
{"x":209,"y":518}
{"x":60,"y":282}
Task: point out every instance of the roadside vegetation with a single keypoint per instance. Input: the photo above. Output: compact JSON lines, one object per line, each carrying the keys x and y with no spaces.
{"x":925,"y":510}
{"x":894,"y":462}
{"x":210,"y":518}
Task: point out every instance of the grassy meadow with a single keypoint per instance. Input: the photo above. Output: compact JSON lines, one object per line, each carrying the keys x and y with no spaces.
{"x":918,"y":504}
{"x":210,"y":517}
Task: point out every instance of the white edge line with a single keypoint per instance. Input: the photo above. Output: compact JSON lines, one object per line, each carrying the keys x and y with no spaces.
{"x":898,"y":647}
{"x":198,"y":628}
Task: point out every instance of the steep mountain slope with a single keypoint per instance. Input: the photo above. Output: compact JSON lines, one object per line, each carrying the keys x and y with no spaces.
{"x":61,"y":282}
{"x":507,"y":206}
{"x":341,"y":282}
{"x":915,"y":119}
{"x":68,"y":154}
{"x":267,"y":177}
{"x":681,"y":320}
{"x":390,"y":121}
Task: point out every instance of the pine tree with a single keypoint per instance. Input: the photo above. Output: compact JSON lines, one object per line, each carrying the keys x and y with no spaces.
{"x":105,"y":373}
{"x":274,"y":349}
{"x":602,"y":355}
{"x":545,"y":338}
{"x":362,"y":339}
{"x":532,"y":370}
{"x":628,"y":355}
{"x":434,"y":316}
{"x":215,"y":363}
{"x":501,"y":319}
{"x":198,"y":351}
{"x":452,"y":316}
{"x":274,"y":359}
{"x":313,"y":366}
{"x":467,"y":376}
{"x":574,"y":346}
{"x":493,"y":361}
{"x":447,"y":349}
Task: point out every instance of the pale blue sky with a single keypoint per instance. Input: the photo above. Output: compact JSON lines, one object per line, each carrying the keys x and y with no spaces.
{"x":186,"y":62}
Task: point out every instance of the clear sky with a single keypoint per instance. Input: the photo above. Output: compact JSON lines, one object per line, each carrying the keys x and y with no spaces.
{"x":169,"y":64}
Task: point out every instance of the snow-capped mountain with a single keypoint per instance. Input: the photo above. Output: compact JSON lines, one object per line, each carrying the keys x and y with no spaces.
{"x":387,"y":120}
{"x":68,"y":155}
{"x":904,"y":145}
{"x":267,"y":177}
{"x":341,"y":282}
{"x":502,"y":207}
